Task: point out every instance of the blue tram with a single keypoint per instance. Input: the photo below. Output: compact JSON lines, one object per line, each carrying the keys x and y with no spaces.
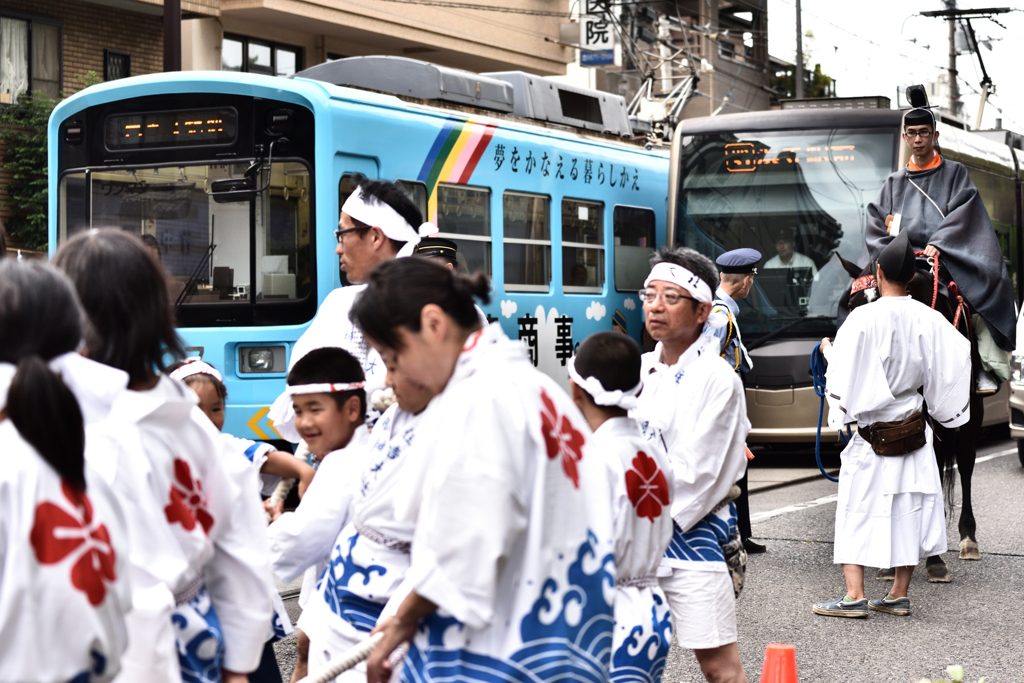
{"x":237,"y":181}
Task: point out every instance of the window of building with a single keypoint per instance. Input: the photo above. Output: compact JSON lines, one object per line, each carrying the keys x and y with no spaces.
{"x":527,"y":238}
{"x":634,"y":243}
{"x":464,"y":216}
{"x":582,"y":246}
{"x":30,"y":58}
{"x":116,"y":65}
{"x":239,"y":53}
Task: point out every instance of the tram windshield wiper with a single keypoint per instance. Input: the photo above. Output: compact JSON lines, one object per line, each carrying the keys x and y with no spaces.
{"x":761,"y":341}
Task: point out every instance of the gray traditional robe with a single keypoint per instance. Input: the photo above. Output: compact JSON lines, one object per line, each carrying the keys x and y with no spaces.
{"x":964,"y":237}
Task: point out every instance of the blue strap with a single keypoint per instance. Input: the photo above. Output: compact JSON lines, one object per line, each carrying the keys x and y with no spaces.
{"x":818,"y":377}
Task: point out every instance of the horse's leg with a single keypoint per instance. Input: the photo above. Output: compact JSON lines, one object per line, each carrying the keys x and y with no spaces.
{"x":966,"y":455}
{"x":945,"y":444}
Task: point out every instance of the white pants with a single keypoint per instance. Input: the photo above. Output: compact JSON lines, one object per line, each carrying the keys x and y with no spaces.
{"x":703,"y":605}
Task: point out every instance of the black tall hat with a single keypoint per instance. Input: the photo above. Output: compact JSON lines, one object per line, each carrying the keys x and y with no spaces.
{"x":897,"y":259}
{"x":920,"y":114}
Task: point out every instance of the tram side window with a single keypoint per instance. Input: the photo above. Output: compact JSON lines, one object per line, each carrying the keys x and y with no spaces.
{"x":417,"y":192}
{"x":526,"y":220}
{"x":634,"y":244}
{"x":582,"y":246}
{"x":464,"y":216}
{"x":997,"y":193}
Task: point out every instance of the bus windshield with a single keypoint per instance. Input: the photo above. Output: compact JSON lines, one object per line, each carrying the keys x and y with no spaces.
{"x":204,"y":241}
{"x":798,"y":198}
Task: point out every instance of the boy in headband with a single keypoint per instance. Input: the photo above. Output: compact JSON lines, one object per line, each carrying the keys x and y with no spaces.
{"x":890,"y":358}
{"x":692,"y":406}
{"x":604,"y":382}
{"x":326,"y":392}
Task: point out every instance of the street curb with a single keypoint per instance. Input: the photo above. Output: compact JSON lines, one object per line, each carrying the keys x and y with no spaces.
{"x":783,"y":484}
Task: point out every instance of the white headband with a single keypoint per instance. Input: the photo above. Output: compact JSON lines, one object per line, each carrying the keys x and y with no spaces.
{"x":195,"y":366}
{"x":379,"y":214}
{"x":282,"y":414}
{"x":678,"y":275}
{"x":602,"y":397}
{"x":94,"y":385}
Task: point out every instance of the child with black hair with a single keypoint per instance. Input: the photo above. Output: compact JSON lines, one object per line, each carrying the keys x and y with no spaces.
{"x":63,"y":542}
{"x":604,"y":382}
{"x":273,"y":465}
{"x":326,"y":396}
{"x":199,"y":564}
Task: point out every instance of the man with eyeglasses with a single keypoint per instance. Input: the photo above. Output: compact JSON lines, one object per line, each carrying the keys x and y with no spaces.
{"x":934,"y":201}
{"x":692,"y":407}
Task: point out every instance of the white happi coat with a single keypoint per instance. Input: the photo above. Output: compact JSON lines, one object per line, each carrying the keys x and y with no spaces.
{"x":514,"y":538}
{"x":641,"y":481}
{"x":889,"y":512}
{"x":64,"y":586}
{"x":193,"y":516}
{"x":331,"y":327}
{"x":695,"y":410}
{"x":370,"y":556}
{"x":301,"y":541}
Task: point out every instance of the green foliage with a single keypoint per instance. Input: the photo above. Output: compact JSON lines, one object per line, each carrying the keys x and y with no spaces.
{"x":23,"y":134}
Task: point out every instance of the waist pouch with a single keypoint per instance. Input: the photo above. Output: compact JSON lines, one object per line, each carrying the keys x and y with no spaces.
{"x":895,"y":438}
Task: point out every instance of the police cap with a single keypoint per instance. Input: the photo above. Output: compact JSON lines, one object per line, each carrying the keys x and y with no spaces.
{"x":437,"y":246}
{"x":739,"y":261}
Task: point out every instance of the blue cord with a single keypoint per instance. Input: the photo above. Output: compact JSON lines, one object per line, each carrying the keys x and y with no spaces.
{"x":818,"y":377}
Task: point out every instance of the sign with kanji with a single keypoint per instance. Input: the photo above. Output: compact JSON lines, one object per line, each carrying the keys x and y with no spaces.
{"x":596,"y":33}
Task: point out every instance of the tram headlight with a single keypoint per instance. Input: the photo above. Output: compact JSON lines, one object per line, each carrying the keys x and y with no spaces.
{"x":261,"y":359}
{"x":1016,"y":361}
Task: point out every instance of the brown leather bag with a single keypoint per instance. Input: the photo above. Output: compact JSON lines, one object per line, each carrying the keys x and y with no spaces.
{"x":895,"y":438}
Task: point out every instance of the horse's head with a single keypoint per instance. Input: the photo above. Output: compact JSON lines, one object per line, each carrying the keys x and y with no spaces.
{"x":862,"y":290}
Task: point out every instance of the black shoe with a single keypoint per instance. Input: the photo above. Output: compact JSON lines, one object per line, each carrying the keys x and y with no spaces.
{"x":753,"y":548}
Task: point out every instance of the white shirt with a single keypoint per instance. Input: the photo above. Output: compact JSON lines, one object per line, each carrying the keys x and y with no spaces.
{"x":798,"y":260}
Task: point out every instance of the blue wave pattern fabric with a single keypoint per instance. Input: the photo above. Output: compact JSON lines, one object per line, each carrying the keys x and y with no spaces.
{"x":360,"y":613}
{"x":200,"y":640}
{"x":566,"y":636}
{"x":703,"y":542}
{"x":641,"y":657}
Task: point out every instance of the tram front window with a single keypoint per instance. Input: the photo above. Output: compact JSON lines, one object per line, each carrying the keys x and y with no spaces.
{"x":798,"y":198}
{"x":203,"y":244}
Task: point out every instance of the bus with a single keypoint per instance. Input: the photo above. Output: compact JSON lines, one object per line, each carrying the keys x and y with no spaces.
{"x":807,"y":175}
{"x":237,"y":181}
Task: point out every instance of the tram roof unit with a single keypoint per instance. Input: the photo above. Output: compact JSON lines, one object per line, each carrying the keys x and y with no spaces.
{"x":515,"y":93}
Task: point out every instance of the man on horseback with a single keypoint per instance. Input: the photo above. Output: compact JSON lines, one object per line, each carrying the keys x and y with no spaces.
{"x":933,"y":201}
{"x":888,"y":359}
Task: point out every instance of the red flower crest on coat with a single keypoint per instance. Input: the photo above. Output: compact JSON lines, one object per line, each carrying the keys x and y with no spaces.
{"x":647,"y":487}
{"x":188,"y":501}
{"x":561,"y":438}
{"x":58,"y":533}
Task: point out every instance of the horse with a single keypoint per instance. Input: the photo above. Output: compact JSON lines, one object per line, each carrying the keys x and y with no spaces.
{"x":933,"y":286}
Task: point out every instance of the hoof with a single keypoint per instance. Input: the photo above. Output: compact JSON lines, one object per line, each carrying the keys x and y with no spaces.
{"x":937,"y":573}
{"x":969,"y":550}
{"x":886,"y":575}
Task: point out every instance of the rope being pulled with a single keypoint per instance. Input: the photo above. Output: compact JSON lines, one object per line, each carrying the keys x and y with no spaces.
{"x":349,"y":659}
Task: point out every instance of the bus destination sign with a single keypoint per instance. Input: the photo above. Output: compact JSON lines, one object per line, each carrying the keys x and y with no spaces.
{"x":172,"y":129}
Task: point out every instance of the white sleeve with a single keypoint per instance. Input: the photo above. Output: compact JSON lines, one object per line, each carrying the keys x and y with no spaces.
{"x":238,"y":576}
{"x":947,"y":387}
{"x":708,"y":461}
{"x":300,"y":539}
{"x":855,"y":383}
{"x":471,"y":500}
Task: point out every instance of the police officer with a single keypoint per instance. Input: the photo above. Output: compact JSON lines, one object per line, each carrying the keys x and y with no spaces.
{"x":736,"y":277}
{"x":439,"y":249}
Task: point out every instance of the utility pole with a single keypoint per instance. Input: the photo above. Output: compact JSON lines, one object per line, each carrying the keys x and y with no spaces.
{"x":799,"y":54}
{"x":952,"y":15}
{"x":172,"y":35}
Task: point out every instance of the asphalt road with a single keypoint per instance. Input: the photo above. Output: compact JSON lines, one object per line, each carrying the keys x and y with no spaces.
{"x":975,"y":621}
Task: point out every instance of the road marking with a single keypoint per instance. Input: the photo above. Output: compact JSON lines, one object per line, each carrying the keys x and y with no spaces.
{"x":825,"y":500}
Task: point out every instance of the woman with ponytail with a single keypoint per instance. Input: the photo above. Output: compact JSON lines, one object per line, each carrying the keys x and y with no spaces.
{"x":200,"y":571}
{"x":510,"y":508}
{"x":63,"y":543}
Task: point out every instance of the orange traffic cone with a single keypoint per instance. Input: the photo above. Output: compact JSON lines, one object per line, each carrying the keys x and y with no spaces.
{"x":779,"y":664}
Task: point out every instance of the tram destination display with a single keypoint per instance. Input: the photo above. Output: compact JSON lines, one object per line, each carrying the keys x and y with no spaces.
{"x":171,"y":128}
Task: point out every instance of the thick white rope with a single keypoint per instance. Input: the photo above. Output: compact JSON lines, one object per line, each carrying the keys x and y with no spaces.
{"x":347,"y":660}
